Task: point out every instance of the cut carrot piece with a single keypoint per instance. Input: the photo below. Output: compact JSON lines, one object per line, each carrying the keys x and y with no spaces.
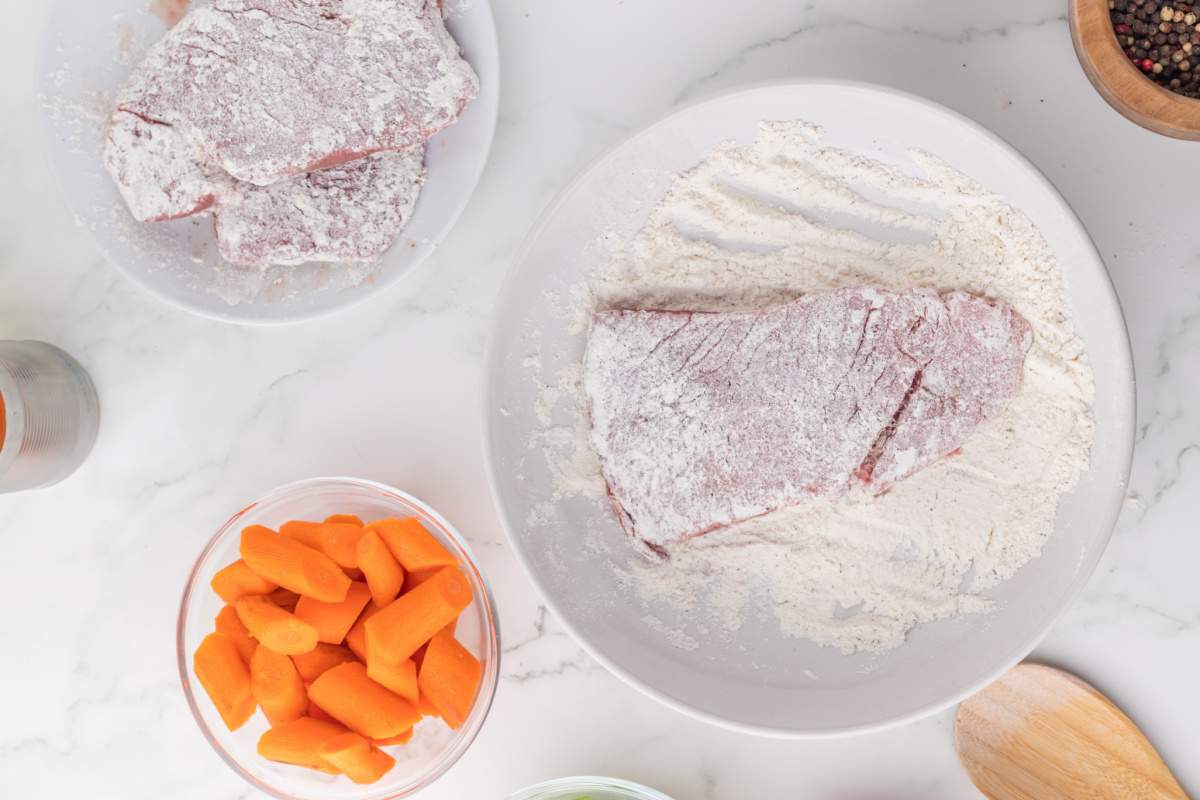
{"x":403,"y":738}
{"x":426,"y":707}
{"x":414,"y":579}
{"x":230,"y":624}
{"x":357,"y":758}
{"x":276,"y":686}
{"x":237,"y":581}
{"x":361,"y":704}
{"x":356,"y":639}
{"x":333,"y":621}
{"x":293,"y":566}
{"x":399,"y":678}
{"x":413,"y":618}
{"x":226,"y":679}
{"x":450,"y":678}
{"x":339,"y":541}
{"x":413,"y":546}
{"x":316,"y":712}
{"x":349,"y":519}
{"x":285,"y":599}
{"x":299,"y":742}
{"x":306,"y":533}
{"x":277,"y":629}
{"x":310,"y":665}
{"x":383,"y":572}
{"x":419,"y":656}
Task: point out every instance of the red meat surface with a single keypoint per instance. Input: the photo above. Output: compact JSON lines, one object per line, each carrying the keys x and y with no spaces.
{"x":702,"y":420}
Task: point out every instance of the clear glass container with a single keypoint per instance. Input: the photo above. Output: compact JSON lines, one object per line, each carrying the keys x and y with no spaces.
{"x":591,"y":788}
{"x":49,"y":415}
{"x":434,"y":747}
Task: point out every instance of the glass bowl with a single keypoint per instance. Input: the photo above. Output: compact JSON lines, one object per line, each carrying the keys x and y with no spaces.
{"x":590,"y":787}
{"x":435,"y":747}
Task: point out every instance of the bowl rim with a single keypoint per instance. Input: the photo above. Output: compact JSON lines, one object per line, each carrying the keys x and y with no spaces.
{"x":489,"y":683}
{"x":1124,"y":362}
{"x":583,"y":783}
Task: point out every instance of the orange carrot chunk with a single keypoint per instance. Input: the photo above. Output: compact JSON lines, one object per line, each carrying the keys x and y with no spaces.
{"x":349,"y":519}
{"x":225,"y":678}
{"x":426,"y":707}
{"x":333,"y":621}
{"x":356,"y":639}
{"x":306,"y":533}
{"x":276,"y":686}
{"x":285,"y":599}
{"x":230,"y":624}
{"x":400,"y":678}
{"x":450,"y":678}
{"x":277,"y":629}
{"x":361,"y":704}
{"x":403,"y":738}
{"x":414,"y":579}
{"x":383,"y":572}
{"x":299,"y":742}
{"x":293,"y":566}
{"x":310,"y":665}
{"x":414,"y":547}
{"x":237,"y":581}
{"x":339,"y":541}
{"x":419,"y":656}
{"x":357,"y":758}
{"x":413,"y":618}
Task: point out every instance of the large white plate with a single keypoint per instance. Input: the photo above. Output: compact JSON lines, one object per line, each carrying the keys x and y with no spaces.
{"x":91,"y":47}
{"x":768,"y":685}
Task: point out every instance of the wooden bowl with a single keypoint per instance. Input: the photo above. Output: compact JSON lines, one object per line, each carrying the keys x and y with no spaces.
{"x":1121,"y":83}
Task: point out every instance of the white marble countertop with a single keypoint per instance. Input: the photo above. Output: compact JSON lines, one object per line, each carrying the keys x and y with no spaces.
{"x":200,"y":417}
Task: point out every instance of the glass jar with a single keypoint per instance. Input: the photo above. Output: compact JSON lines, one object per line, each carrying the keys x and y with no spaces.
{"x":49,"y":415}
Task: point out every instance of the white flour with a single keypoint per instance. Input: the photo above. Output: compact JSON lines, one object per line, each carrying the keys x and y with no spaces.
{"x":761,"y":224}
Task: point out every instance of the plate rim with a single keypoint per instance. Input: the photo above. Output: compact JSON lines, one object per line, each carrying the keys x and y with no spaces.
{"x":1123,"y":363}
{"x":228,"y":313}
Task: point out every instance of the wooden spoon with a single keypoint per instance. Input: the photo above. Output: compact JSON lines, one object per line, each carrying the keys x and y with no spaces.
{"x":1041,"y":734}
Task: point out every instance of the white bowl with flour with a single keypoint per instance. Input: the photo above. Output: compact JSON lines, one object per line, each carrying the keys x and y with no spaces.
{"x":839,"y":615}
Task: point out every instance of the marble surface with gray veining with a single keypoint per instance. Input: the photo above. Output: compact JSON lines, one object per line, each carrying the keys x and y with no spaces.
{"x":200,"y":417}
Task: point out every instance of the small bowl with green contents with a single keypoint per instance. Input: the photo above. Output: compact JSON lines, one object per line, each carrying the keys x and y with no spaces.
{"x":588,"y":788}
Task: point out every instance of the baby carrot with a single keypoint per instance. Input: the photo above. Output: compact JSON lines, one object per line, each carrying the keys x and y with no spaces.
{"x":230,"y":624}
{"x":285,"y":599}
{"x":399,"y":678}
{"x":413,"y":618}
{"x":237,"y":580}
{"x":276,"y":628}
{"x":449,"y":678}
{"x":361,"y":704}
{"x":414,"y":579}
{"x":351,"y":519}
{"x":339,"y":541}
{"x":403,"y":738}
{"x":414,"y":547}
{"x":333,"y":621}
{"x":384,"y":574}
{"x":225,"y":678}
{"x":276,"y":686}
{"x":299,"y":742}
{"x":293,"y":566}
{"x":306,"y":533}
{"x":310,"y":665}
{"x":357,"y":758}
{"x":356,"y":639}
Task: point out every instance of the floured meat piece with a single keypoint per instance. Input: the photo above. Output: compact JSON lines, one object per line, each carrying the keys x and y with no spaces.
{"x":352,"y":212}
{"x":269,"y":89}
{"x":704,"y":419}
{"x":159,"y":174}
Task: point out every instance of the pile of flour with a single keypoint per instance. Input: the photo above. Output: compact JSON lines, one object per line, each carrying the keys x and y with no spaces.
{"x":761,"y":224}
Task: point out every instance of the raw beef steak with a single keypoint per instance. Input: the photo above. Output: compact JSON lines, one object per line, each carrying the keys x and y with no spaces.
{"x":704,"y":419}
{"x":269,"y":89}
{"x":159,"y":174}
{"x":352,"y":212}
